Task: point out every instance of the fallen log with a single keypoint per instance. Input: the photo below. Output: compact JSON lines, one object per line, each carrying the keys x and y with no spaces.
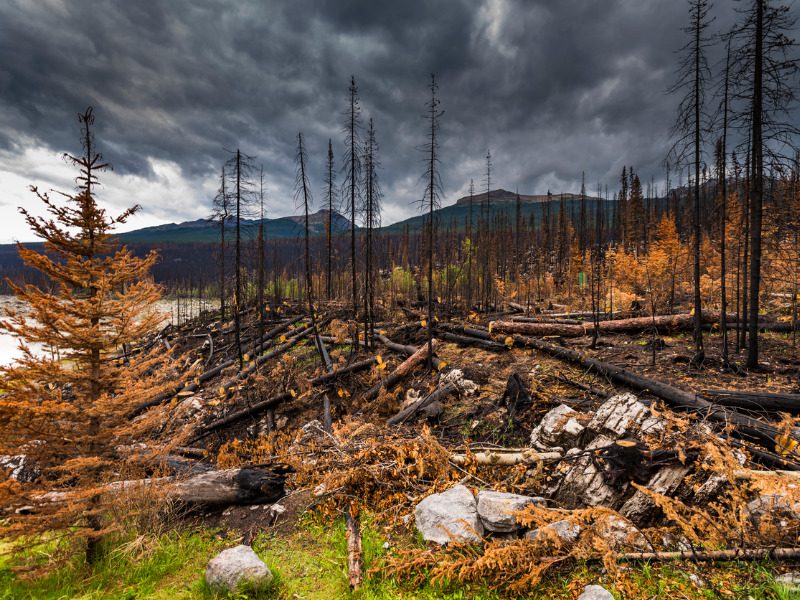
{"x":714,"y":555}
{"x":275,"y":400}
{"x":500,"y":459}
{"x":633,"y":325}
{"x":747,"y":427}
{"x":225,"y":487}
{"x":769,"y":401}
{"x":405,"y":350}
{"x":410,"y":410}
{"x":403,"y":369}
{"x":589,"y":389}
{"x":466,"y":340}
{"x":211,"y":373}
{"x":277,"y":351}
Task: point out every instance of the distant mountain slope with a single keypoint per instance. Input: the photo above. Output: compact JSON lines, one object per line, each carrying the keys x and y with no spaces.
{"x":203,"y":231}
{"x":504,"y":196}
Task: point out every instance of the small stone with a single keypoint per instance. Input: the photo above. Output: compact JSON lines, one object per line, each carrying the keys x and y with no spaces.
{"x":451,"y":515}
{"x":497,"y":509}
{"x":237,"y":566}
{"x":276,"y":510}
{"x":790,"y":581}
{"x":696,"y":580}
{"x":595,"y":592}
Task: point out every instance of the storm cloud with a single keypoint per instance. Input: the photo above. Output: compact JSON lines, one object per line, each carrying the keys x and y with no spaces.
{"x":554,"y":88}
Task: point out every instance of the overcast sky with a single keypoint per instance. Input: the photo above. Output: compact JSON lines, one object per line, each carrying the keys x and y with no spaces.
{"x":553,"y":87}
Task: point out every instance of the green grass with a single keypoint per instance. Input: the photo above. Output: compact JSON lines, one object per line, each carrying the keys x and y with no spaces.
{"x":311,"y":563}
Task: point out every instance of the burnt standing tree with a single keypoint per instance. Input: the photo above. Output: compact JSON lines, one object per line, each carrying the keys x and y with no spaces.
{"x":221,"y":213}
{"x":351,"y":188}
{"x":766,"y":84}
{"x":240,"y":167}
{"x":330,"y":194}
{"x":693,"y":74}
{"x":722,"y":181}
{"x":303,"y":198}
{"x":486,"y":242}
{"x":431,"y":198}
{"x":469,"y":244}
{"x":371,"y":211}
{"x":260,"y":259}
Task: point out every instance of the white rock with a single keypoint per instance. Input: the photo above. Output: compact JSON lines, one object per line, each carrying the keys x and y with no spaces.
{"x":774,"y":507}
{"x":497,"y":509}
{"x":451,"y":515}
{"x":696,"y":580}
{"x":19,"y":468}
{"x":585,"y":484}
{"x":654,"y":426}
{"x":559,"y":427}
{"x":563,"y":530}
{"x":235,"y":566}
{"x":790,"y":581}
{"x":619,"y":415}
{"x":595,"y":592}
{"x":621,"y":534}
{"x":456,"y":377}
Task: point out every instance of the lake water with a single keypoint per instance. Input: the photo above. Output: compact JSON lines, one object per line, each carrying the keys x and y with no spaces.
{"x":174,"y":310}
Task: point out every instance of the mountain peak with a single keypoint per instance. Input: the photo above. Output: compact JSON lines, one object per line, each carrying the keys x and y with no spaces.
{"x":502,"y":196}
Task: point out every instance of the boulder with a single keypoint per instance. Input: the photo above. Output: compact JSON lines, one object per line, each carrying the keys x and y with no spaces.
{"x":563,"y":531}
{"x":639,"y":508}
{"x":558,"y":428}
{"x":584,"y":484}
{"x":497,"y":509}
{"x":449,"y":516}
{"x":237,"y":566}
{"x":595,"y":592}
{"x":619,"y":416}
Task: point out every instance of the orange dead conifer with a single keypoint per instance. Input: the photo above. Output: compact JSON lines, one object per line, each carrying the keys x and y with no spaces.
{"x":67,"y":410}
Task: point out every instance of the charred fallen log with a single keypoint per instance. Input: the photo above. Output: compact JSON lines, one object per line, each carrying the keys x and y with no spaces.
{"x":633,"y":325}
{"x":417,"y":357}
{"x":274,"y":401}
{"x":211,"y":373}
{"x":409,"y":411}
{"x":757,"y":401}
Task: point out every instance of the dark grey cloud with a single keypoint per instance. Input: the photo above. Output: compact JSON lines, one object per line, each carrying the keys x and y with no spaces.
{"x":554,"y":88}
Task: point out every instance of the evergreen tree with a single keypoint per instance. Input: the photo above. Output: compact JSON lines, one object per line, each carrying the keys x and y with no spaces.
{"x":68,"y":411}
